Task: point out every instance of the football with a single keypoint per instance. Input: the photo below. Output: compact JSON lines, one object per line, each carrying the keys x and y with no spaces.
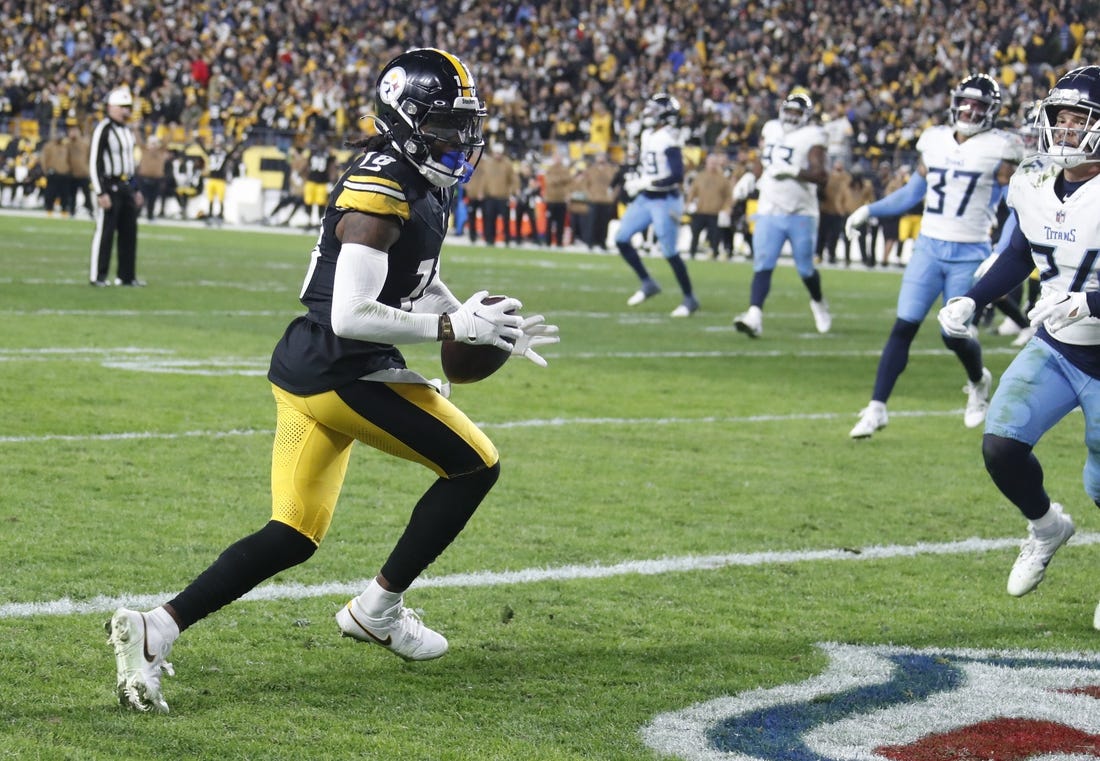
{"x":469,"y":363}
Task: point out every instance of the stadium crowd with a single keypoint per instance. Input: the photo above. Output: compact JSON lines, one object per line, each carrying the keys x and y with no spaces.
{"x":554,"y":73}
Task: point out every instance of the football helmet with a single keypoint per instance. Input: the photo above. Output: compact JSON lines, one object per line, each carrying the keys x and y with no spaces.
{"x":1079,"y":90}
{"x":661,"y":109}
{"x":426,"y":102}
{"x":975,"y":104}
{"x":796,"y":109}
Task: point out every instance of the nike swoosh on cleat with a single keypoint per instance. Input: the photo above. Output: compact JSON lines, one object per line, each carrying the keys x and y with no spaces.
{"x":149,"y":657}
{"x":383,"y":642}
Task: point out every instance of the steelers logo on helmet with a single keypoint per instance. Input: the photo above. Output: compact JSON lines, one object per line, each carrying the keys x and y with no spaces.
{"x":1068,"y":120}
{"x":391,"y":85}
{"x":427,"y":103}
{"x":975,"y":104}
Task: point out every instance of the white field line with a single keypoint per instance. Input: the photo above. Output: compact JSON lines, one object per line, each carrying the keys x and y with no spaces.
{"x":503,"y":425}
{"x":655,"y":567}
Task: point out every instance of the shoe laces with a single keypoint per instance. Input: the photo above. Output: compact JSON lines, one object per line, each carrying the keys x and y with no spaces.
{"x":408,"y":621}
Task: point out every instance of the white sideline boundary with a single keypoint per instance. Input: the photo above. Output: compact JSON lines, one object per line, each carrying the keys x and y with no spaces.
{"x":480,"y":579}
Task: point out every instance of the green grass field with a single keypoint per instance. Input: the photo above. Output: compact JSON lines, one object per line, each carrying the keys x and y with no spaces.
{"x":618,"y":571}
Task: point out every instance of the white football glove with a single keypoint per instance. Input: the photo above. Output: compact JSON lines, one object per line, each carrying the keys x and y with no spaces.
{"x":1059,"y":310}
{"x":535,"y":333}
{"x":477,"y":323}
{"x":635,"y":185}
{"x":856,"y":220}
{"x":955,"y":315}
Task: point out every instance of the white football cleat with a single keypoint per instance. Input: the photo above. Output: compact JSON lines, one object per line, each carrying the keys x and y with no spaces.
{"x":822,"y":319}
{"x":1035,"y":554}
{"x":687,"y":308}
{"x":872,"y":418}
{"x":977,"y":399}
{"x":751,"y":323}
{"x":1008,"y":328}
{"x":140,"y":655}
{"x":648,"y":290}
{"x":399,"y":630}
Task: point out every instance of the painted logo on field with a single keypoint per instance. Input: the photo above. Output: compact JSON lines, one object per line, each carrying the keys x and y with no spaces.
{"x":882,"y":703}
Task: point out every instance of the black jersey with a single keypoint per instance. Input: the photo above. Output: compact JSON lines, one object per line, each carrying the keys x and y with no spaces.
{"x":310,"y":358}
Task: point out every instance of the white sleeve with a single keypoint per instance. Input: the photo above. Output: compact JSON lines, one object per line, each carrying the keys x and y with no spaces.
{"x":436,"y":299}
{"x":356,"y":312}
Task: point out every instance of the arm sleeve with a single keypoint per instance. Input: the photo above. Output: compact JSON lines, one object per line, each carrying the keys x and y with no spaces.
{"x":1011,"y":268}
{"x":436,"y":299}
{"x":902,"y":199}
{"x":356,"y":311}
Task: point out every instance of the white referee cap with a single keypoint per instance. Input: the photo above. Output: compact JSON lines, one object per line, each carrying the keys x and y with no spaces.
{"x":120,"y":97}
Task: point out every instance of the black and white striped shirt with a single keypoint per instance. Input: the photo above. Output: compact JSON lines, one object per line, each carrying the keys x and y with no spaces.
{"x":112,"y":156}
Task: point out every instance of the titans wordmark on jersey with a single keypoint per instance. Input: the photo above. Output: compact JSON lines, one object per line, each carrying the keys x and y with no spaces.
{"x":1064,"y":236}
{"x":310,"y":358}
{"x":959,"y":204}
{"x":785,"y":153}
{"x":886,"y":703}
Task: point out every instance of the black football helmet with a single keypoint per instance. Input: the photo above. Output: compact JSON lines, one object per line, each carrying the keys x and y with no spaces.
{"x":966,"y":117}
{"x":796,"y":109}
{"x":426,"y":101}
{"x":1079,"y":90}
{"x":661,"y":109}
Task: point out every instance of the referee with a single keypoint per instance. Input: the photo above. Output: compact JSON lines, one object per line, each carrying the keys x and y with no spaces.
{"x":113,"y":182}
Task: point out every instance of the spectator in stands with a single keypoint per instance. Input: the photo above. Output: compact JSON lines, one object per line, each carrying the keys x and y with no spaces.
{"x":602,"y":200}
{"x":500,"y":190}
{"x":151,"y":172}
{"x":557,"y":180}
{"x":54,"y":160}
{"x":80,"y":177}
{"x":834,"y":210}
{"x":708,"y":193}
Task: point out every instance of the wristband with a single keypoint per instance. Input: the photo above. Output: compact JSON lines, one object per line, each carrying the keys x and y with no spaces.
{"x":446,"y":330}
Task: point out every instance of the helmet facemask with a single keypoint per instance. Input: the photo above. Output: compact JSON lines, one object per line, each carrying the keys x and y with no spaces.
{"x":1075,"y":140}
{"x":446,"y":145}
{"x":975,"y":104}
{"x":659,"y":110}
{"x":796,"y":111}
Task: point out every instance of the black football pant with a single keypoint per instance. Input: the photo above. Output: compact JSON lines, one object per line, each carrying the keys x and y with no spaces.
{"x":118,"y":222}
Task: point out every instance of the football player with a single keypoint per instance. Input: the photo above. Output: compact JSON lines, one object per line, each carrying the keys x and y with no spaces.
{"x":961,"y":175}
{"x":337,"y":377}
{"x":218,"y":171}
{"x":1053,"y":201}
{"x":793,"y":158}
{"x":656,"y":200}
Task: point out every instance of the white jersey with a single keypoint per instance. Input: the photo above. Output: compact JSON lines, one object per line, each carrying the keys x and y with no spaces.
{"x":653,"y":154}
{"x":1064,"y":238}
{"x":959,"y":205}
{"x":785,"y":153}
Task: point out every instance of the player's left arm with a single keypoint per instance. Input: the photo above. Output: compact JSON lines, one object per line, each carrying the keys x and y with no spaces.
{"x":361,"y":270}
{"x":815,"y":170}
